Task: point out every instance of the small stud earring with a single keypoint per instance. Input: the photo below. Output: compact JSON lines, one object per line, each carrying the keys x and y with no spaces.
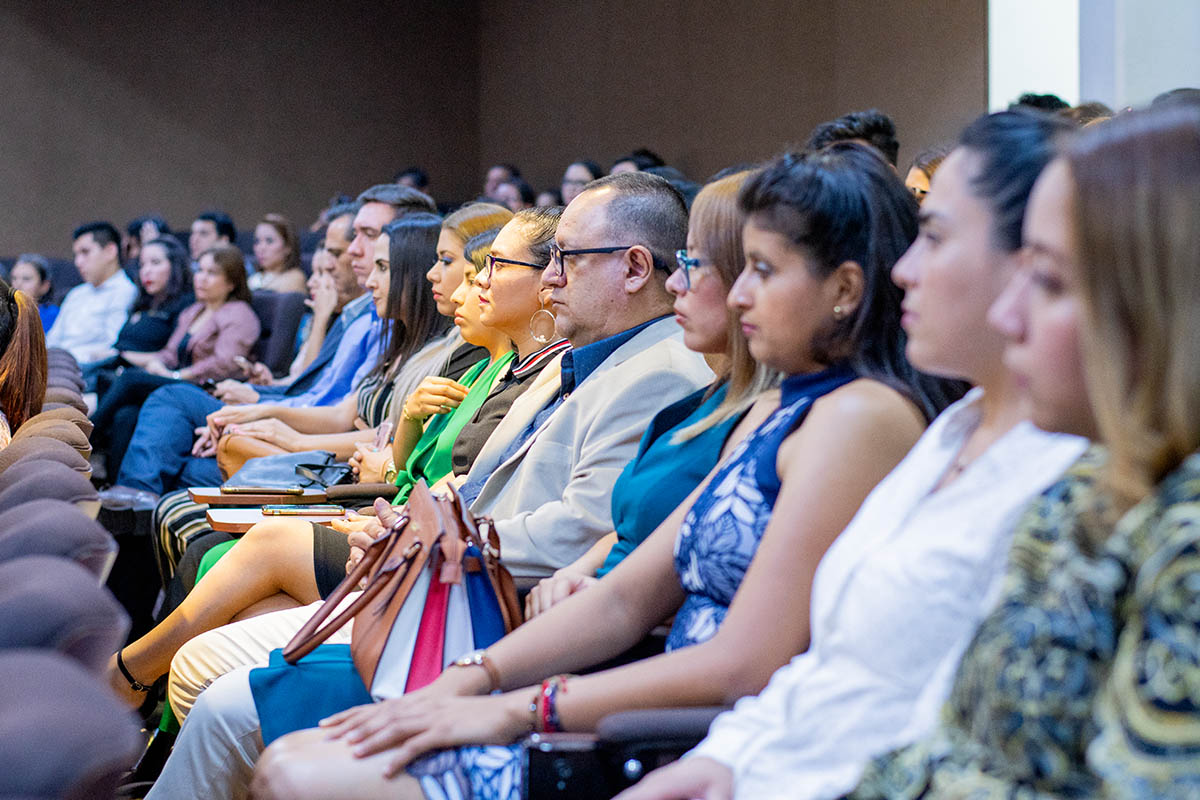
{"x":837,"y":311}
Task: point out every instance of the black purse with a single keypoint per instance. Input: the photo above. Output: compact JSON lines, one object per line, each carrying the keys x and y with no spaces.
{"x":290,"y":472}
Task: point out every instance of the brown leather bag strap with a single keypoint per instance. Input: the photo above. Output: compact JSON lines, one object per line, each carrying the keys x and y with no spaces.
{"x":373,"y":563}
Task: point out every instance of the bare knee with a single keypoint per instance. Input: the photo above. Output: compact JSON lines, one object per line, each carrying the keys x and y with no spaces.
{"x":276,"y":533}
{"x":283,"y":771}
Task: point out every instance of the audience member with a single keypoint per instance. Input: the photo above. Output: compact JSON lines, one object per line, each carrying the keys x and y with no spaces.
{"x":639,"y":160}
{"x":721,"y":565}
{"x":577,"y":175}
{"x":898,"y":596}
{"x":682,"y":183}
{"x":164,"y":291}
{"x":209,"y":336}
{"x":496,"y":175}
{"x":277,"y":256}
{"x":515,"y":194}
{"x":31,"y":274}
{"x":210,"y":229}
{"x":23,"y":366}
{"x":548,"y":198}
{"x":413,"y":178}
{"x":920,"y":174}
{"x":93,"y":312}
{"x":871,"y":127}
{"x":1182,"y":94}
{"x":1080,"y":683}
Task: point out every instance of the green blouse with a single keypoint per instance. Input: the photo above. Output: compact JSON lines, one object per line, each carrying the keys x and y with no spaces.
{"x":431,"y":457}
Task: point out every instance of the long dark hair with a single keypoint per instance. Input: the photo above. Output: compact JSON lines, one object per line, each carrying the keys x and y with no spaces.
{"x":178,"y":283}
{"x":23,"y":366}
{"x":844,"y":203}
{"x":412,"y":313}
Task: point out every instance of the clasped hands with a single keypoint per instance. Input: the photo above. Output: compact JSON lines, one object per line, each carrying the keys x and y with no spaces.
{"x":251,"y":420}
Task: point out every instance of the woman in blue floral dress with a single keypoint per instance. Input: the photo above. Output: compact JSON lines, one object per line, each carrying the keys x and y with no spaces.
{"x":1085,"y":681}
{"x":734,"y":562}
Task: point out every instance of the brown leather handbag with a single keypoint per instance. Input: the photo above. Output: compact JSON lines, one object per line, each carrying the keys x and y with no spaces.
{"x":392,"y":565}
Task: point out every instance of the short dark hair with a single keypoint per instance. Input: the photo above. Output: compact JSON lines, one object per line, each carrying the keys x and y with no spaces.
{"x":686,"y":187}
{"x":420,"y":177}
{"x":871,"y":126}
{"x":528,"y":195}
{"x":1039,"y":102}
{"x":222,"y":222}
{"x":103,"y":233}
{"x":648,"y":209}
{"x":513,"y":172}
{"x":343,"y":210}
{"x":1013,"y":147}
{"x":404,"y":199}
{"x":643,"y":158}
{"x":929,"y":159}
{"x":179,"y":281}
{"x":843,"y":203}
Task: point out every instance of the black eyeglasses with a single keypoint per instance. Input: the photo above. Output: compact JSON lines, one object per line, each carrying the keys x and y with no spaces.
{"x":491,"y":261}
{"x":687,"y":265}
{"x":558,"y":256}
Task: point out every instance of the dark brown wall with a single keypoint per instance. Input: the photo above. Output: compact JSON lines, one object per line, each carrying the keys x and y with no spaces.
{"x":262,"y":108}
{"x":709,"y":83}
{"x":251,"y":107}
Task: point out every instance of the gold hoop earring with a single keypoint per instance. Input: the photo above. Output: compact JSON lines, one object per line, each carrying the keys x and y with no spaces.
{"x":541,"y":325}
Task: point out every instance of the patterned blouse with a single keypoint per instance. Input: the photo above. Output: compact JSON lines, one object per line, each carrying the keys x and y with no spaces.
{"x":1085,"y":681}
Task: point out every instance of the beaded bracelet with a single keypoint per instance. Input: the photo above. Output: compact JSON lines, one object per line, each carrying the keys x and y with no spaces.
{"x":548,"y":697}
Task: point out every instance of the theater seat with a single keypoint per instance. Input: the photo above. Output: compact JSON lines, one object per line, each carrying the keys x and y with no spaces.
{"x":59,"y":429}
{"x":56,"y":528}
{"x":71,"y":415}
{"x":57,"y":394}
{"x":50,"y":603}
{"x":39,"y":479}
{"x":279,"y":313}
{"x":62,"y":734}
{"x":42,"y":447}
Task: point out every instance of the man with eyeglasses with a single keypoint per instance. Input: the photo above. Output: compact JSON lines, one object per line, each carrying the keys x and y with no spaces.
{"x":546,"y":474}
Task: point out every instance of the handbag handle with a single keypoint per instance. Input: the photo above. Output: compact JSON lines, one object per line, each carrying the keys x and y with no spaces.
{"x":382,"y":552}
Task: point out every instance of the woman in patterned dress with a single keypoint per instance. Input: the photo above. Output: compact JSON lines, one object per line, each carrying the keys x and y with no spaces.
{"x":816,"y":303}
{"x":1085,"y":682}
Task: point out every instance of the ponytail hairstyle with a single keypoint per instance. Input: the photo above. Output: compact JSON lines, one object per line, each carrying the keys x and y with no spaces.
{"x":845,"y":203}
{"x":23,"y":367}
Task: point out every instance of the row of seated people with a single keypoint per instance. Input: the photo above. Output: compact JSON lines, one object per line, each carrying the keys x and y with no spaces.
{"x":817,"y":531}
{"x":63,"y":734}
{"x":917,"y":523}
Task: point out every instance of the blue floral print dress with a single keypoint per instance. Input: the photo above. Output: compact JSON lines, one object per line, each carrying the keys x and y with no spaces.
{"x":716,"y":543}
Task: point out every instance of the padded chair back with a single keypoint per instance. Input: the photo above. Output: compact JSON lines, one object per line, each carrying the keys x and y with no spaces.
{"x":279,"y":313}
{"x":53,"y":604}
{"x":65,"y":380}
{"x":62,"y":734}
{"x":56,"y":528}
{"x":43,"y":447}
{"x":38,"y":479}
{"x":66,"y":413}
{"x":57,"y":394}
{"x":58,"y":429}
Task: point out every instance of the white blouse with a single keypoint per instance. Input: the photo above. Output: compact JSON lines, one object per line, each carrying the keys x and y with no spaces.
{"x":895,"y":602}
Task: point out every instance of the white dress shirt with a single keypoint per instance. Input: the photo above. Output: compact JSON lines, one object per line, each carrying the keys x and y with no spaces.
{"x":895,"y":602}
{"x":91,"y":317}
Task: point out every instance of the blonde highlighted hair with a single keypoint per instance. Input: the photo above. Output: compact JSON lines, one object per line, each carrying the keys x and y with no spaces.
{"x":717,"y":222}
{"x":1137,"y":216}
{"x":475,"y":218}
